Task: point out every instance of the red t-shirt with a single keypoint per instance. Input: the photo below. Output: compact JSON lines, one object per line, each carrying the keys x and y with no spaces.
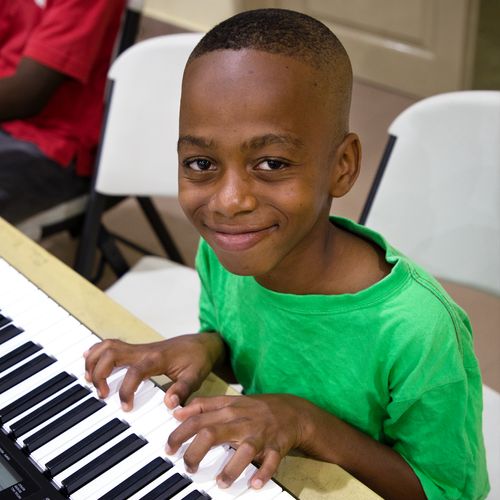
{"x":74,"y":37}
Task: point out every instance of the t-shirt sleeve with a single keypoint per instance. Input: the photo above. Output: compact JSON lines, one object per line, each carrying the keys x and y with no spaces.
{"x":207,"y":313}
{"x":69,"y":37}
{"x":434,"y":416}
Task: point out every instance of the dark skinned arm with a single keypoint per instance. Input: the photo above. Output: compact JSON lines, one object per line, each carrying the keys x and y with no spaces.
{"x":373,"y":463}
{"x":28,"y":90}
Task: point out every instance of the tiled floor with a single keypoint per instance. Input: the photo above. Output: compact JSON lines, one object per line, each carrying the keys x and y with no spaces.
{"x":373,"y":109}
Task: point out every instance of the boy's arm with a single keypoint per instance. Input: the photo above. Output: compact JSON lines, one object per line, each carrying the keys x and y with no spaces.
{"x":28,"y":90}
{"x":266,"y":427}
{"x":378,"y":466}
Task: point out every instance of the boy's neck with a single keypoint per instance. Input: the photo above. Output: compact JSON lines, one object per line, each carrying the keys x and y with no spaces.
{"x":342,"y":263}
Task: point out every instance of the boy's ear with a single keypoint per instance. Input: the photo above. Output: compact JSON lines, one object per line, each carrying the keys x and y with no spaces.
{"x":347,"y":165}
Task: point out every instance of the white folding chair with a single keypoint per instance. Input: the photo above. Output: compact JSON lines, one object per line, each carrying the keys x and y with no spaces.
{"x":436,"y":197}
{"x":138,"y":157}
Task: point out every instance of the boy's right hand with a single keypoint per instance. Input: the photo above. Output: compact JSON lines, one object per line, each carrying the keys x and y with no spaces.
{"x":186,"y":360}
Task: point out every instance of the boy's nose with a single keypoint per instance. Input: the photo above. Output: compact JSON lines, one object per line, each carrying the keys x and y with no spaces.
{"x":233,"y":195}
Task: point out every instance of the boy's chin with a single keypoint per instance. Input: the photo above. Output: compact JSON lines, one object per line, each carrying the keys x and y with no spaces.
{"x":242,"y":266}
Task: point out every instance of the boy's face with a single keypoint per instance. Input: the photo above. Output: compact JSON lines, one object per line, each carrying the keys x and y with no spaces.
{"x":257,"y":159}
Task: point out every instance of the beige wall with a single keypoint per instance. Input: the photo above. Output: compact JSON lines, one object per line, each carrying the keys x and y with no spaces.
{"x":416,"y":47}
{"x":193,"y":15}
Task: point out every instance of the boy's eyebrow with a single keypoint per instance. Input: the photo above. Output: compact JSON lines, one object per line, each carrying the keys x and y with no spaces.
{"x":194,"y":141}
{"x":267,"y":139}
{"x":253,"y":143}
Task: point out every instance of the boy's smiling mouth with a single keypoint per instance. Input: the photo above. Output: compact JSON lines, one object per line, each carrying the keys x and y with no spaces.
{"x":238,"y":238}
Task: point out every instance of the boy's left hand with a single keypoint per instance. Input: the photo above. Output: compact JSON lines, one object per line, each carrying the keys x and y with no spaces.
{"x":263,"y":428}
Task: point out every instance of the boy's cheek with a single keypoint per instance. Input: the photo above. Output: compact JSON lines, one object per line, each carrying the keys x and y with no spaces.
{"x":188,"y":204}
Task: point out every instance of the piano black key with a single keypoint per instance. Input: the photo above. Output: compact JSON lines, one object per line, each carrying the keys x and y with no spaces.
{"x":63,"y":423}
{"x":86,"y":446}
{"x":25,"y":371}
{"x":48,"y":410}
{"x":173,"y":485}
{"x":197,"y":495}
{"x":104,"y":462}
{"x":9,"y":332}
{"x":4,"y":320}
{"x":18,"y":354}
{"x":35,"y":396}
{"x":138,"y":480}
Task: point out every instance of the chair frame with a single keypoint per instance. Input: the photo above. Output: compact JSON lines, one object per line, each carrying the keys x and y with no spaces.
{"x":377,"y":179}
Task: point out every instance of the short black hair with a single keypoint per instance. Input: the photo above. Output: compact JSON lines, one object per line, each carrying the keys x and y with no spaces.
{"x":277,"y":31}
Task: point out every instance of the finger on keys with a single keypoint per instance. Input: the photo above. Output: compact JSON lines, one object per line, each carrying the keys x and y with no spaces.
{"x":243,"y":456}
{"x":90,"y":361}
{"x":202,"y":443}
{"x":267,"y":469}
{"x":133,"y":378}
{"x":208,"y":423}
{"x":179,"y":391}
{"x":99,"y":363}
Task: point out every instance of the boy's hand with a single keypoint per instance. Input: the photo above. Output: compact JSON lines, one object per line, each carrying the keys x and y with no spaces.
{"x":186,"y":359}
{"x":262,"y":428}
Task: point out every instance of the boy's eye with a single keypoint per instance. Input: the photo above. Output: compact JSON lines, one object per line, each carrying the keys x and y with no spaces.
{"x":199,"y":164}
{"x":271,"y":165}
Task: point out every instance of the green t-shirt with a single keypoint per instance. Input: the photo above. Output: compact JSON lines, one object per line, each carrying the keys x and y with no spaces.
{"x":395,"y":360}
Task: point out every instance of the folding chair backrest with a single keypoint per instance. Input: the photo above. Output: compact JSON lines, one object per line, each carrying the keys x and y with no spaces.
{"x":139,"y":151}
{"x":438,"y":200}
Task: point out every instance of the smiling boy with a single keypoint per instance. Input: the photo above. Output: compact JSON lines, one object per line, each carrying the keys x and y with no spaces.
{"x":346,"y":350}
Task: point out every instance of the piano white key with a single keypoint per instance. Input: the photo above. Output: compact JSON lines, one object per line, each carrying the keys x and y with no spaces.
{"x":159,"y":416}
{"x":268,"y":492}
{"x":41,"y":314}
{"x":19,"y":299}
{"x":68,"y":326}
{"x":57,"y":345}
{"x":141,"y":410}
{"x":12,"y":288}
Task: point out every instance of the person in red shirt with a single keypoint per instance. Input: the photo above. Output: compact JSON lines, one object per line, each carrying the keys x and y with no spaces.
{"x":54,"y":58}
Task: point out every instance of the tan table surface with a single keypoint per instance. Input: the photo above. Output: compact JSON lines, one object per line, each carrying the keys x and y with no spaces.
{"x":306,"y":478}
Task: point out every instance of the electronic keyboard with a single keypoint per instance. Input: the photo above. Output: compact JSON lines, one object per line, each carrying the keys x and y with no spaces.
{"x":59,"y":440}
